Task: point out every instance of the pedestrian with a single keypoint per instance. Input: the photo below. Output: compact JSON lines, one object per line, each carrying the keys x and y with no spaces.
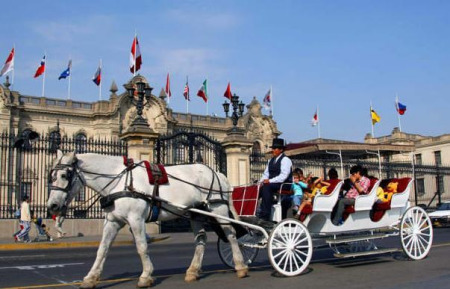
{"x":25,"y":221}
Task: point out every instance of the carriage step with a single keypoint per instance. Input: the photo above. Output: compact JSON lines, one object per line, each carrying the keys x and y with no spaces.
{"x":356,"y":238}
{"x":367,"y":253}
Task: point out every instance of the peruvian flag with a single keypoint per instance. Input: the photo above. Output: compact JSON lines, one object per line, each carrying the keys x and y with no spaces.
{"x":168,"y":92}
{"x":203,"y":91}
{"x":227,"y":93}
{"x":9,"y":63}
{"x":135,"y":56}
{"x":97,"y":78}
{"x":41,"y":69}
{"x":315,"y":119}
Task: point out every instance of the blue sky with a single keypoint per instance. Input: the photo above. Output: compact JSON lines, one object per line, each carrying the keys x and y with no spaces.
{"x":338,"y":55}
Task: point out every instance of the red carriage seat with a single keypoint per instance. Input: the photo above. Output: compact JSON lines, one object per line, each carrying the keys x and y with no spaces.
{"x":245,"y":199}
{"x":332,"y":185}
{"x":380,"y":208}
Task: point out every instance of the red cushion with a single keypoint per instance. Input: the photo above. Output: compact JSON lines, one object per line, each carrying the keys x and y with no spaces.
{"x":373,"y":181}
{"x":349,"y":209}
{"x":402,"y":184}
{"x":332,"y":185}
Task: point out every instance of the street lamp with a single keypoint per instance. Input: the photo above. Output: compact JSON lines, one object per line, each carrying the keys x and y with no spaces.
{"x":139,"y":96}
{"x":238,"y":110}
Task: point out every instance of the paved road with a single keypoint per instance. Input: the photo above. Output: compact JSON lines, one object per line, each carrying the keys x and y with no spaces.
{"x":63,"y":268}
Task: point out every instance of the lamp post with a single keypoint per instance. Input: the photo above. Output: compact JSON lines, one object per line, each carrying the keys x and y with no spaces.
{"x":238,"y":110}
{"x":139,"y":96}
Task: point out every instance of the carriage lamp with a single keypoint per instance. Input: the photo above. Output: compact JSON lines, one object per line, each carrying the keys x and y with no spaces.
{"x":238,"y":110}
{"x":140,"y":95}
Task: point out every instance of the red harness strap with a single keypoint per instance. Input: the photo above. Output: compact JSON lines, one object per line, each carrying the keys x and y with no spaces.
{"x":156,"y":169}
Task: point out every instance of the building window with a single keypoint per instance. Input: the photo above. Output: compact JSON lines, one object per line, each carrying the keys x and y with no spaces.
{"x":81,"y":143}
{"x":437,"y":158}
{"x":440,"y":184}
{"x":418,"y":159}
{"x":420,"y":186}
{"x":26,"y":139}
{"x":25,"y":189}
{"x":54,"y":141}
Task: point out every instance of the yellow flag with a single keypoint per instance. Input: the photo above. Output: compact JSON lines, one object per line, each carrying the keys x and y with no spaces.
{"x":375,"y":117}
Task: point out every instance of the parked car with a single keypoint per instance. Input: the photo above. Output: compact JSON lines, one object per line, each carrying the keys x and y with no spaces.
{"x":441,"y":217}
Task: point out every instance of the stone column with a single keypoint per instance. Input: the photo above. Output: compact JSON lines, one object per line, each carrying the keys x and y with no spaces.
{"x":238,"y":149}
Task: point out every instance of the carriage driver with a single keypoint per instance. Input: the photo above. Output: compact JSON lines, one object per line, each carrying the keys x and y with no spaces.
{"x":278,"y":171}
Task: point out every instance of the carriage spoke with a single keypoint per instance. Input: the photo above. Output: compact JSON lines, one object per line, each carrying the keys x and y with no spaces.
{"x":301,"y":252}
{"x":281,"y":252}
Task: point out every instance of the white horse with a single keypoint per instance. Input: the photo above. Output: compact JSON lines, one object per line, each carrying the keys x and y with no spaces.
{"x":189,"y":186}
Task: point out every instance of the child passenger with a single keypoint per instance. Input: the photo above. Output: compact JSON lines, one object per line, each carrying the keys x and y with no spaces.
{"x":297,"y":187}
{"x":316,"y":187}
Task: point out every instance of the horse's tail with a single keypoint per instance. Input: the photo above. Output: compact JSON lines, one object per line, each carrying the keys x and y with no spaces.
{"x":228,"y":191}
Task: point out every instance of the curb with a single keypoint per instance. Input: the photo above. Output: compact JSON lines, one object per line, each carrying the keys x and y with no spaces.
{"x":80,"y":244}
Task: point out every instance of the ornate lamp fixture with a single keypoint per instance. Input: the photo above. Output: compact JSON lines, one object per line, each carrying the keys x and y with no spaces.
{"x":238,"y":110}
{"x":140,"y":97}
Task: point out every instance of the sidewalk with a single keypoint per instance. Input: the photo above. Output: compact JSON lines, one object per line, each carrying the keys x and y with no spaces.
{"x":94,"y":241}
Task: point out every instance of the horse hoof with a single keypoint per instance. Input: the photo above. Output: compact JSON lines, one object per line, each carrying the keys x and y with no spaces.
{"x":189,"y":278}
{"x":87,"y":285}
{"x":242,"y":273}
{"x":145,"y":282}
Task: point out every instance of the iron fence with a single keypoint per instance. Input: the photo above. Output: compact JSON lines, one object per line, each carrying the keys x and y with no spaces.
{"x":25,"y":163}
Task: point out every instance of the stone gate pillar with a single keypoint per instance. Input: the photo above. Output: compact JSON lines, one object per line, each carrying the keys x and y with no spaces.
{"x":141,"y":142}
{"x":238,"y":149}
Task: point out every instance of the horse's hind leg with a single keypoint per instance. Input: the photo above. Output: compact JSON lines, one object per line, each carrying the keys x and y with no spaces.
{"x":110,"y":230}
{"x":200,"y":243}
{"x":138,"y":229}
{"x":240,"y":266}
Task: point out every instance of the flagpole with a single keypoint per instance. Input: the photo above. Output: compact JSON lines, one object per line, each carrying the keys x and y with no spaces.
{"x":43,"y":78}
{"x":100,"y":85}
{"x":398,"y":112}
{"x":271,"y":102}
{"x":371,"y":121}
{"x":318,"y":121}
{"x":134,"y":56}
{"x":207,"y":97}
{"x":14,"y":69}
{"x":187,"y":95}
{"x":168,"y":92}
{"x":70,"y":77}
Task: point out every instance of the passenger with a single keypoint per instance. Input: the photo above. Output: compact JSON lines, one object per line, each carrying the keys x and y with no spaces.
{"x":316,"y":186}
{"x":297,"y":187}
{"x":278,"y":171}
{"x":357,"y":184}
{"x":333,"y":174}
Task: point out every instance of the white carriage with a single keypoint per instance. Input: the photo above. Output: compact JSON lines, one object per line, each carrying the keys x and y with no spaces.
{"x":290,"y":243}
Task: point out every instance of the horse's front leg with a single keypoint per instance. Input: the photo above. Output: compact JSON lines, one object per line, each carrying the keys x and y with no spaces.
{"x":192,"y":272}
{"x":138,"y":229}
{"x":110,"y":230}
{"x":240,"y":266}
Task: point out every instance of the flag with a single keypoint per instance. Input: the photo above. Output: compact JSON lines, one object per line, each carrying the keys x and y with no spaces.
{"x":186,"y":91}
{"x":167,"y":91}
{"x":401,"y":108}
{"x":375,"y":117}
{"x":97,"y":78}
{"x":267,"y":101}
{"x":66,"y":72}
{"x":203,"y":91}
{"x":315,"y":119}
{"x":135,"y":56}
{"x":41,"y":69}
{"x":227,"y":93}
{"x":9,"y":63}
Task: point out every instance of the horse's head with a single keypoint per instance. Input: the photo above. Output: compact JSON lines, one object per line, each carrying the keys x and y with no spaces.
{"x":64,"y":182}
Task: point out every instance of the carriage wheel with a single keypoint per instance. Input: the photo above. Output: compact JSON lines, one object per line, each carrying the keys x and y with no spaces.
{"x":249,"y":253}
{"x":416,"y":233}
{"x":290,"y":247}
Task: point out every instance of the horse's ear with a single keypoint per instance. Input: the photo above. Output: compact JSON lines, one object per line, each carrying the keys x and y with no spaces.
{"x":59,"y":154}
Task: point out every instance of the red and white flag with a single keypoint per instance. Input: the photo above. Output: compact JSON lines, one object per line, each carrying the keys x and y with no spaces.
{"x":186,"y":90}
{"x":41,"y":69}
{"x":135,"y":56}
{"x":267,"y":101}
{"x":167,"y":90}
{"x":9,"y":63}
{"x":227,"y":93}
{"x":315,"y":119}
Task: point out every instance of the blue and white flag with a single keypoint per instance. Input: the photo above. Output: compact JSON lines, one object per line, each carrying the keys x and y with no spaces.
{"x":66,"y":72}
